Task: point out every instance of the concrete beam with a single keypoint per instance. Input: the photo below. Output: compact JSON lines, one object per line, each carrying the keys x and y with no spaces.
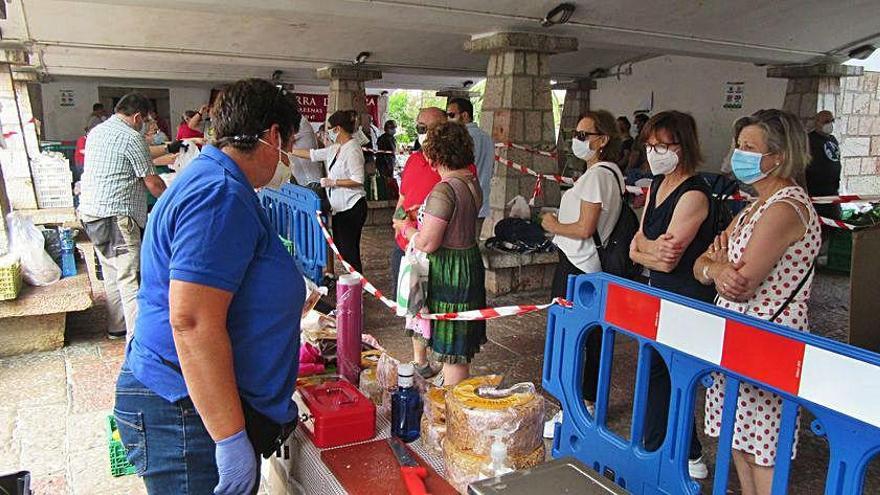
{"x":585,"y":84}
{"x":348,"y":73}
{"x":816,"y":70}
{"x":521,"y":42}
{"x":455,"y":93}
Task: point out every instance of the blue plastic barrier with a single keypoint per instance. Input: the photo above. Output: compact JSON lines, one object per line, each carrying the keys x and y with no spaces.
{"x":292,"y":212}
{"x":837,"y":383}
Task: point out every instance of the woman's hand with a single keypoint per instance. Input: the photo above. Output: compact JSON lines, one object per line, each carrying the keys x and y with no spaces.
{"x":729,"y":282}
{"x":718,"y":251}
{"x":549,"y":222}
{"x":399,"y":224}
{"x":667,"y":249}
{"x":236,"y":465}
{"x":328,"y":182}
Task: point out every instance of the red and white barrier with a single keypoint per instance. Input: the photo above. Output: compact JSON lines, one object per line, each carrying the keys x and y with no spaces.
{"x":477,"y":314}
{"x":820,"y":376}
{"x":551,"y":154}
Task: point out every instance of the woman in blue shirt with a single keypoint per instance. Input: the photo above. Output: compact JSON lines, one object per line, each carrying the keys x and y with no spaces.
{"x":207,"y":382}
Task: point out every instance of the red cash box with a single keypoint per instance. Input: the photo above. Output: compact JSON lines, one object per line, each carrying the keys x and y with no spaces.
{"x":339,"y":414}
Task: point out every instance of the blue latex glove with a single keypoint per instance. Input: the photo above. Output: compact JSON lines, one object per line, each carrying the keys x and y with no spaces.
{"x":236,"y":465}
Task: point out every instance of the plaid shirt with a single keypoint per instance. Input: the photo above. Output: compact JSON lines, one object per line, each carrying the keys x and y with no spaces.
{"x":116,"y":161}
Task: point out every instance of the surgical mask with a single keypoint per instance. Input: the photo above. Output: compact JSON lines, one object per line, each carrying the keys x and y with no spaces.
{"x":423,"y":138}
{"x":360,"y":137}
{"x":662,"y":163}
{"x":158,"y":138}
{"x":828,"y":128}
{"x":582,"y":150}
{"x":282,"y":170}
{"x":332,"y":134}
{"x":392,"y":131}
{"x":746,"y":166}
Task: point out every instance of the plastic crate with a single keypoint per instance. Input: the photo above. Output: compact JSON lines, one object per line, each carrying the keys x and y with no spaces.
{"x":839,"y":251}
{"x":119,"y":465}
{"x":10,"y":280}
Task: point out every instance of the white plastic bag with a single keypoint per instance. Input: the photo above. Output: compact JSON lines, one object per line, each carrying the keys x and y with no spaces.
{"x":37,"y":267}
{"x":412,"y":281}
{"x":519,"y":208}
{"x":188,"y":152}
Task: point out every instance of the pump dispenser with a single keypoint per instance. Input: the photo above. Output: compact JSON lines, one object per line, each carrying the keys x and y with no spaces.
{"x":499,"y":464}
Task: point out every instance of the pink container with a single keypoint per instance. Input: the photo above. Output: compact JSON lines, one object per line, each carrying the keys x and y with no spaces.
{"x":349,"y":326}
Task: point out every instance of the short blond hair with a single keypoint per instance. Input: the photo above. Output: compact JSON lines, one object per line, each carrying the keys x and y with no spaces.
{"x":785,"y":135}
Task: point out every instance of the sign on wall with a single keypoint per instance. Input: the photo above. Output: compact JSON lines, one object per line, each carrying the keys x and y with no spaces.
{"x":67,"y":97}
{"x":733,"y":94}
{"x":314,"y":106}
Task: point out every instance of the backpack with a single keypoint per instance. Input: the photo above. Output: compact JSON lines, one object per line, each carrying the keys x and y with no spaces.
{"x":614,"y":252}
{"x":722,"y":189}
{"x":519,"y":236}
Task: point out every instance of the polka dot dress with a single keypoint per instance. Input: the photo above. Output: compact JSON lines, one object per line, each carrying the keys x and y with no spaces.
{"x":759,"y":411}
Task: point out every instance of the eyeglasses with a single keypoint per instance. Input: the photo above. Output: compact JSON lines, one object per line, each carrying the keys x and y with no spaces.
{"x":452,"y":115}
{"x":660,"y":148}
{"x":583,"y":135}
{"x":421,"y":129}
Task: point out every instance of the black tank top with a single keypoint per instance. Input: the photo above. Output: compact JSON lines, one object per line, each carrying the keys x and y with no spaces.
{"x":681,"y":280}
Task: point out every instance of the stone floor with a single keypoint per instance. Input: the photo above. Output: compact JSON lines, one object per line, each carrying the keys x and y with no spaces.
{"x":53,"y":405}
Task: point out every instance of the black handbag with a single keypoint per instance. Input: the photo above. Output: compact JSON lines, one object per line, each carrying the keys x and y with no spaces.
{"x":614,"y":252}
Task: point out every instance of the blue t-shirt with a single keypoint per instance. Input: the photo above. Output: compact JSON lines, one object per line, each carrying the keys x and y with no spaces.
{"x":208,"y":228}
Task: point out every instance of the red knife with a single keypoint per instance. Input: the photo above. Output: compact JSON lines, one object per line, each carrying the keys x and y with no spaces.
{"x":413,"y":474}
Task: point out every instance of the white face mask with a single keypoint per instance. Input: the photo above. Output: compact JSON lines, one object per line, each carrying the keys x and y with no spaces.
{"x":662,"y":163}
{"x":423,"y":138}
{"x":828,"y":128}
{"x":282,"y":170}
{"x":332,"y":134}
{"x":582,"y":150}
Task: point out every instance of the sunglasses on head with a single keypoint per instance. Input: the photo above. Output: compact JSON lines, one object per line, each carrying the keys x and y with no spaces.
{"x":583,"y":135}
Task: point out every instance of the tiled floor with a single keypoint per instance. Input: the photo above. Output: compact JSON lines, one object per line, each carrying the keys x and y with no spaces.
{"x":53,"y":405}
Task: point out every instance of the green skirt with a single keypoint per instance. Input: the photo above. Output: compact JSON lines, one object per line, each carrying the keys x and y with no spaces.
{"x":456,"y":283}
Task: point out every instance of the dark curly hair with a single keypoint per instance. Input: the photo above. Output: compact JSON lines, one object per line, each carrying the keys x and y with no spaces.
{"x":449,"y":145}
{"x":245,"y":109}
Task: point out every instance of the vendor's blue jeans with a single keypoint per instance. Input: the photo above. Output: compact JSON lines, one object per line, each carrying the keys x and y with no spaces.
{"x":166,"y":442}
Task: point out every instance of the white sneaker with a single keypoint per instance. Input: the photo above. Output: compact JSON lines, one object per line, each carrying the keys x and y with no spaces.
{"x":698,"y":469}
{"x":550,"y":426}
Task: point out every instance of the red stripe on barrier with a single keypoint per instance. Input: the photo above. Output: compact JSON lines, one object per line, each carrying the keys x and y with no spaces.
{"x":632,"y":310}
{"x":763,"y":356}
{"x":489,"y":313}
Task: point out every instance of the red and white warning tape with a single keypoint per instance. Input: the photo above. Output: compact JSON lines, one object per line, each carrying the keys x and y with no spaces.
{"x":378,"y":152}
{"x":9,"y":134}
{"x":526,"y":170}
{"x":551,"y":154}
{"x":477,"y":314}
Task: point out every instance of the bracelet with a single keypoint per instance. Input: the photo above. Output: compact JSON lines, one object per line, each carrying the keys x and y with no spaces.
{"x":706,"y":273}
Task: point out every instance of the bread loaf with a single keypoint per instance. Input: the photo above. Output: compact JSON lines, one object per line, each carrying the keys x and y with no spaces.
{"x":473,"y":411}
{"x":463,"y":467}
{"x":369,"y":385}
{"x":432,"y":435}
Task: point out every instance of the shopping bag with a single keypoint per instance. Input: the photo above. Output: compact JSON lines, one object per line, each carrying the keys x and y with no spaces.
{"x":37,"y":267}
{"x":412,"y":281}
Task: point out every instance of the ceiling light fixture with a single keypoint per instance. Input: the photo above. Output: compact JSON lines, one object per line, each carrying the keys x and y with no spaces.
{"x":862,"y":52}
{"x":361,"y":58}
{"x":558,"y":15}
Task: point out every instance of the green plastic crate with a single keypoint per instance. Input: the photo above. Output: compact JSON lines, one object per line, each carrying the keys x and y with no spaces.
{"x":119,"y":465}
{"x":840,"y":251}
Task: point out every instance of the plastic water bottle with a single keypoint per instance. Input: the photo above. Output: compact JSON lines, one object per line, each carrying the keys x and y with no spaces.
{"x":406,"y":405}
{"x":68,"y":261}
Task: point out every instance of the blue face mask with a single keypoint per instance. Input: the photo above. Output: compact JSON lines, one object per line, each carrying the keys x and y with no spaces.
{"x":747,"y":166}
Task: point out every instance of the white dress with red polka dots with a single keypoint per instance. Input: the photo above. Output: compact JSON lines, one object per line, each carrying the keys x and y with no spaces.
{"x":759,"y":411}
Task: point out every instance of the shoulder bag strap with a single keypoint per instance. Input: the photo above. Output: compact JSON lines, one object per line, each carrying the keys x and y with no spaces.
{"x":794,"y":293}
{"x":597,"y":240}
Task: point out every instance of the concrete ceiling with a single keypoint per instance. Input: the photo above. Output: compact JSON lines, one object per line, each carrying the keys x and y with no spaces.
{"x":416,"y":43}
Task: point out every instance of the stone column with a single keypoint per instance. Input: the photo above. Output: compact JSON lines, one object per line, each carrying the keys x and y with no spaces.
{"x":855,"y":103}
{"x":16,"y":117}
{"x":347,"y":87}
{"x":577,"y":101}
{"x":518,"y":108}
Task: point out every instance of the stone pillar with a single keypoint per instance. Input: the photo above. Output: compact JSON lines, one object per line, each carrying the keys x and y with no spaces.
{"x":16,"y":117}
{"x":450,"y":93}
{"x":347,"y":87}
{"x":577,"y":101}
{"x":518,"y":108}
{"x":852,"y":96}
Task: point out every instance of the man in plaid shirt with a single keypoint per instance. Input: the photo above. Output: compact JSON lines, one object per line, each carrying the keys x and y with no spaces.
{"x":118,"y":173}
